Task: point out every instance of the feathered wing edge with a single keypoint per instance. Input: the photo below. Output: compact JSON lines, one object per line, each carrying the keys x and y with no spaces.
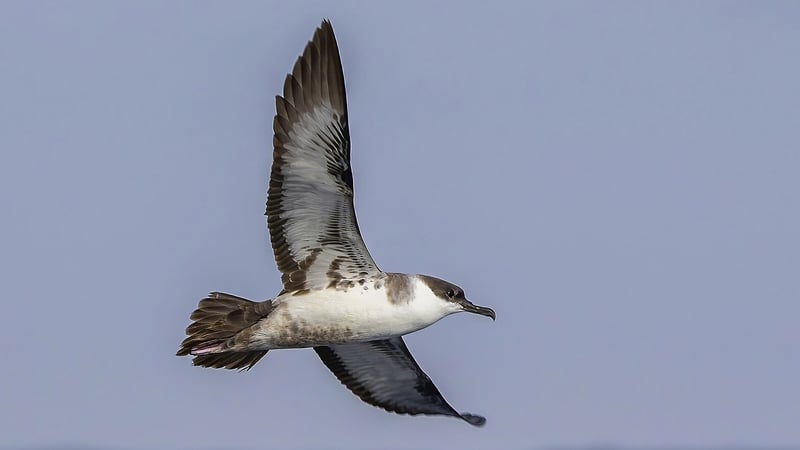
{"x":384,"y":374}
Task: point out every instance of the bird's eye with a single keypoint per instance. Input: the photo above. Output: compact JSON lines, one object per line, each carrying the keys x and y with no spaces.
{"x":450,"y":293}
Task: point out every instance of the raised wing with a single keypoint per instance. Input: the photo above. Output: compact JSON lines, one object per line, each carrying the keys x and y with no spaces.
{"x":384,"y":374}
{"x":310,"y":214}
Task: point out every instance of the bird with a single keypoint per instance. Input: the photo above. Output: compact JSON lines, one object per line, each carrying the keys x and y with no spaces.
{"x":334,"y":298}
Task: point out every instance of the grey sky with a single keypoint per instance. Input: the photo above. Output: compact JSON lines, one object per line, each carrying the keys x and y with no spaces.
{"x":619,"y":181}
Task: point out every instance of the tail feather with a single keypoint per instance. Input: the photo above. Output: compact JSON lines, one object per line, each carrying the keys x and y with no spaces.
{"x":214,"y":338}
{"x":230,"y":360}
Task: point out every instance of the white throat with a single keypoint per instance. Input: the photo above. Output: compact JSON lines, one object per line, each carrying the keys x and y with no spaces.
{"x":427,"y":307}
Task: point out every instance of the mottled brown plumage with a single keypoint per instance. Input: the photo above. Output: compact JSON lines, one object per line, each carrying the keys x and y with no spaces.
{"x":334,"y":296}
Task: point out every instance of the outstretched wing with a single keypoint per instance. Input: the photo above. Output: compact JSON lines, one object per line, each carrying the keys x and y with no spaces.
{"x":383,"y":373}
{"x":310,"y":214}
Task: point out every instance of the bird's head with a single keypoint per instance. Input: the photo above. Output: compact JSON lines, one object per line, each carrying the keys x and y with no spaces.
{"x":452,"y":296}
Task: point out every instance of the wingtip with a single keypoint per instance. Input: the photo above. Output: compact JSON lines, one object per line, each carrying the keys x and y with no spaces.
{"x":325,"y":26}
{"x":474,"y":419}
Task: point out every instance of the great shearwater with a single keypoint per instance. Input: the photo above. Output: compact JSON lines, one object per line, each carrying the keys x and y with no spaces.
{"x":334,"y":297}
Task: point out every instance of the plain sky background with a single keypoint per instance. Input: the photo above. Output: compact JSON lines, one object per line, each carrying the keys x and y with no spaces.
{"x":620,"y":181}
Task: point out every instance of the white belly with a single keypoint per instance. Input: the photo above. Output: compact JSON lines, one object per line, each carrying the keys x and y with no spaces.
{"x":329,"y":317}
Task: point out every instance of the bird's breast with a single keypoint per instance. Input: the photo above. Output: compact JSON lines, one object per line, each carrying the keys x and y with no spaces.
{"x":330,"y":317}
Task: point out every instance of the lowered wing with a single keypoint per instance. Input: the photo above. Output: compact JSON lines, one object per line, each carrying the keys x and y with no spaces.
{"x":383,"y":373}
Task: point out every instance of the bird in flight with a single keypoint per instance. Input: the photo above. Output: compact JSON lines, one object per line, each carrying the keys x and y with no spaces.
{"x":334,"y":297}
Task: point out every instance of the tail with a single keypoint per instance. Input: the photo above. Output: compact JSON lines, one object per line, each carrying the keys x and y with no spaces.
{"x":215,"y":338}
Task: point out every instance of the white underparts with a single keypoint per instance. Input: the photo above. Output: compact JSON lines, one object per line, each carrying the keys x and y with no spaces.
{"x":330,"y":316}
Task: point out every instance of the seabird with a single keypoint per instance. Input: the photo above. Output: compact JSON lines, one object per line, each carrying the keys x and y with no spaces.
{"x":334,"y":297}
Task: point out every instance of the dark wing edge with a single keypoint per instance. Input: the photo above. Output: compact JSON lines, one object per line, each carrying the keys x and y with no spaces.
{"x":384,"y":374}
{"x":310,"y":214}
